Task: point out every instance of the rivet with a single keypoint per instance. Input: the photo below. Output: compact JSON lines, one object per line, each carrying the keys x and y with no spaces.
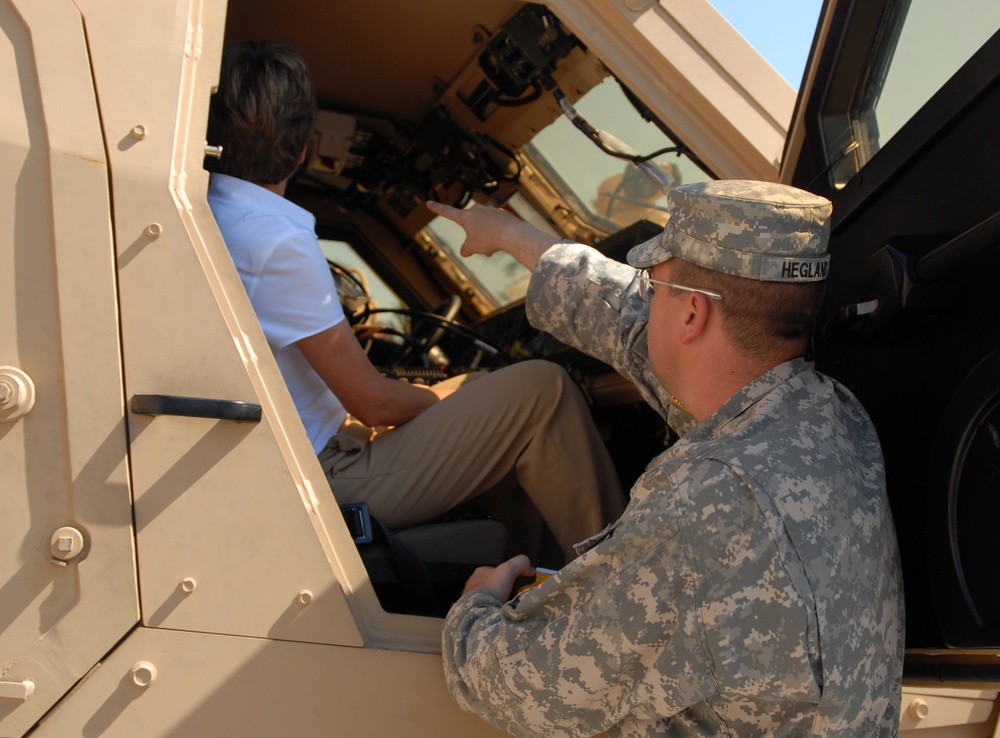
{"x":919,"y":709}
{"x":188,"y":585}
{"x":154,"y":230}
{"x":143,"y":674}
{"x":17,"y":393}
{"x":139,"y":132}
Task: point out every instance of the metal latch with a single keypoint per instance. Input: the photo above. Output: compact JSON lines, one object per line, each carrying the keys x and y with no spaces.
{"x":359,"y":521}
{"x":16,"y":691}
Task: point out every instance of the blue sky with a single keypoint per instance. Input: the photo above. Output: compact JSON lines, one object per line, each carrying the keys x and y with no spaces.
{"x":781,"y":30}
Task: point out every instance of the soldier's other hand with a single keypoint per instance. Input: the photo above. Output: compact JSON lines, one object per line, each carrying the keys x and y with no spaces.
{"x":500,"y":579}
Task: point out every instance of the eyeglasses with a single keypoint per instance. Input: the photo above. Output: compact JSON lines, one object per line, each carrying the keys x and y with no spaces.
{"x":646,"y":288}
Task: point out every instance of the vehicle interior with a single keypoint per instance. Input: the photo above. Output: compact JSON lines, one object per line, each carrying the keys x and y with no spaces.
{"x":471,"y":109}
{"x":501,"y":102}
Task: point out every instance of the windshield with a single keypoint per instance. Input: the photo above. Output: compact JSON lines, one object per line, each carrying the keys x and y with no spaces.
{"x":606,"y":191}
{"x":359,"y":286}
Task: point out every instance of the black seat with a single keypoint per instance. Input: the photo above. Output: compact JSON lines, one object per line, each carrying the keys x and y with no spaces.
{"x":422,"y":570}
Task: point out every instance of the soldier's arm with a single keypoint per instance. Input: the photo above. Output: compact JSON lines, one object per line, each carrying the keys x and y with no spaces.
{"x":574,"y":656}
{"x":488,"y":230}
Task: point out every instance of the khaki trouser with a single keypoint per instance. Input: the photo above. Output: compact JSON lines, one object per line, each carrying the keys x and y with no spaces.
{"x":528,"y":417}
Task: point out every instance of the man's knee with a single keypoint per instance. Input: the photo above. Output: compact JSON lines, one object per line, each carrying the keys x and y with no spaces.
{"x":544,"y":385}
{"x":540,"y":374}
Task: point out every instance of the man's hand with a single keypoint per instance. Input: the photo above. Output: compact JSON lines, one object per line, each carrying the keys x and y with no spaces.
{"x":488,"y":230}
{"x":500,"y":580}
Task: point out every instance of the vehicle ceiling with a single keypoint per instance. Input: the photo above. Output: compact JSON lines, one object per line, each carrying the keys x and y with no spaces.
{"x":409,"y":48}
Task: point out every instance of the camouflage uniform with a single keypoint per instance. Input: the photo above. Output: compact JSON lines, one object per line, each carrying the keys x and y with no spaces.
{"x":752,"y":587}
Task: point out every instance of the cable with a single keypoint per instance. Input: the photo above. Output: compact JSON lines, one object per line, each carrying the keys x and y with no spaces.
{"x":612,"y":146}
{"x":509,"y":154}
{"x":616,"y":148}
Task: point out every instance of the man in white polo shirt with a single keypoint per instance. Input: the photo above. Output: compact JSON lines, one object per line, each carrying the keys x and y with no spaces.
{"x":447,"y":443}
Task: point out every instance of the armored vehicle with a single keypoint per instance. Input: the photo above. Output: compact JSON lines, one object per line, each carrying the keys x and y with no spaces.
{"x":172,"y":560}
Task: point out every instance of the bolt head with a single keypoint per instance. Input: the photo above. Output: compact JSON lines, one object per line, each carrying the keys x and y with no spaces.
{"x":143,"y":674}
{"x":66,"y":543}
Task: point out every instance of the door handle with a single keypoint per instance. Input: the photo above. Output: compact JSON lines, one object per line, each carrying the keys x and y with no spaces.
{"x":197,"y":407}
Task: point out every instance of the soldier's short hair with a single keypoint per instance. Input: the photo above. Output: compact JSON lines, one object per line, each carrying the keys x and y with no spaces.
{"x":263,"y":113}
{"x":757,"y":315}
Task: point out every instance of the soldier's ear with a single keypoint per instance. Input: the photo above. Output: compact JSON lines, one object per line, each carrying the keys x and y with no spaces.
{"x":698,"y":311}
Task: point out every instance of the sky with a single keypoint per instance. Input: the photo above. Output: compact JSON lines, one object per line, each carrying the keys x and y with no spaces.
{"x":781,"y":30}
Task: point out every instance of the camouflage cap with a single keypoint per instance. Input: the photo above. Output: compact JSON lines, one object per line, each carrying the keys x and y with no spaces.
{"x":758,"y":230}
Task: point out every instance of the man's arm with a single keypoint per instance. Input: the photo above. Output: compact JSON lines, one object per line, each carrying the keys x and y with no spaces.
{"x":375,"y":400}
{"x":578,"y":295}
{"x":583,"y":651}
{"x":690,"y":594}
{"x":567,"y":305}
{"x":488,"y":230}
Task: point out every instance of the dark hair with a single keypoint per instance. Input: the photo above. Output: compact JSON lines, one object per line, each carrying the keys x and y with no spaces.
{"x":759,"y":317}
{"x":263,"y":112}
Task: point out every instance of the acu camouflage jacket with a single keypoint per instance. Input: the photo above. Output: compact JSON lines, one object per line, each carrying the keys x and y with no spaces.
{"x":752,"y":587}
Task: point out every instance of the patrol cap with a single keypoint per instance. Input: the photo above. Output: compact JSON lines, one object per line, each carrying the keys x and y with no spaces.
{"x":758,"y":230}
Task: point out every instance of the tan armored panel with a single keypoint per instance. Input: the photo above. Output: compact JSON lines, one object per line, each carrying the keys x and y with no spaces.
{"x":113,"y":260}
{"x":196,"y":685}
{"x":697,"y":74}
{"x":67,"y":570}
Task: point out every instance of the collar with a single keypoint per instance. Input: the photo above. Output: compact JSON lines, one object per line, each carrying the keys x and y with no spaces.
{"x":744,"y":399}
{"x":227,"y":188}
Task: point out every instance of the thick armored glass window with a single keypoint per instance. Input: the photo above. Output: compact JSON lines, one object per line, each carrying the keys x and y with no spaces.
{"x":359,"y":285}
{"x":919,"y":46}
{"x":607,"y":191}
{"x":501,"y":277}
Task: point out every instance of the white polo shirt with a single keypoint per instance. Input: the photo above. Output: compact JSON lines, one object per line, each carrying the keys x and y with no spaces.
{"x":273,"y":244}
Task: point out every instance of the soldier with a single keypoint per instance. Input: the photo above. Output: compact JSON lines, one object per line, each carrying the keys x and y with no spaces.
{"x":752,"y":586}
